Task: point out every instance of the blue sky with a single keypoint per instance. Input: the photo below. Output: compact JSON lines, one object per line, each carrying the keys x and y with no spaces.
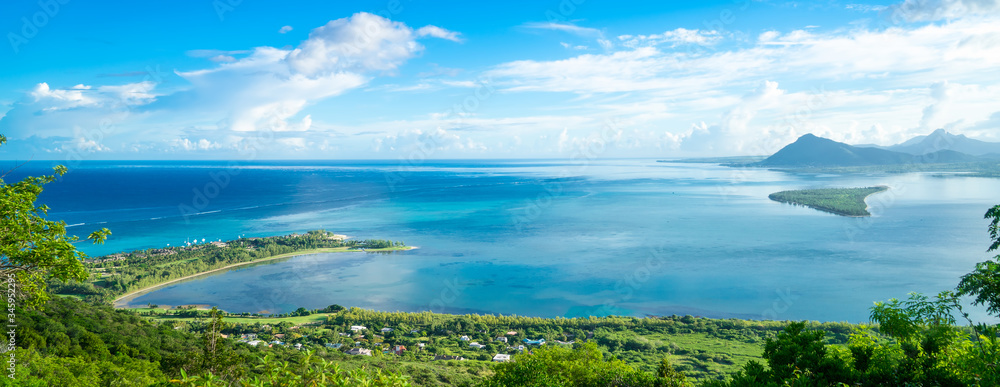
{"x":411,"y":79}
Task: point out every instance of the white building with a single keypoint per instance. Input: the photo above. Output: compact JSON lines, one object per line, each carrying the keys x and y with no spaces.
{"x":358,"y":328}
{"x":501,"y":358}
{"x":360,"y":352}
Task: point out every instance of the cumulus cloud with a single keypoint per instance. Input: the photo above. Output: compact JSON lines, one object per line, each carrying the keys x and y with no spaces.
{"x":438,"y":32}
{"x":285,"y":29}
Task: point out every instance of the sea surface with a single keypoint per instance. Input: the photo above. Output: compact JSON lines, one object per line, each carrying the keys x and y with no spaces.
{"x":538,"y":237}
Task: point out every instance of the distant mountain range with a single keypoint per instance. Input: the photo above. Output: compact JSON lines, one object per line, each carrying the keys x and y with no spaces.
{"x":942,"y":140}
{"x":937,"y":147}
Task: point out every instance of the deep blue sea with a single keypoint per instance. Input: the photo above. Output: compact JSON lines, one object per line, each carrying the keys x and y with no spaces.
{"x":538,"y":237}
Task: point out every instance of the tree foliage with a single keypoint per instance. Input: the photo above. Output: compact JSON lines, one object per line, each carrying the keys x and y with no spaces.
{"x":33,"y":249}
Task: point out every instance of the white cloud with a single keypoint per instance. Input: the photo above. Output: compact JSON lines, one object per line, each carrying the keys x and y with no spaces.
{"x":585,"y":32}
{"x":222,"y":58}
{"x":439,"y":32}
{"x":866,"y":7}
{"x":575,"y":47}
{"x":198,"y":145}
{"x":263,"y":89}
{"x":565,"y":27}
{"x":285,"y":29}
{"x":64,"y":98}
{"x":673,"y":38}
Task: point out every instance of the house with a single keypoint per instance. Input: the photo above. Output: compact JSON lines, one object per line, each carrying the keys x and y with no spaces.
{"x":334,"y":345}
{"x":476,"y":345}
{"x":279,"y":336}
{"x":386,"y":330}
{"x":415,"y":331}
{"x":343,"y":334}
{"x":520,"y":348}
{"x":359,"y":352}
{"x":464,"y":338}
{"x":421,"y":345}
{"x":276,"y":342}
{"x":565,"y":342}
{"x":501,"y":338}
{"x":399,"y":349}
{"x":501,"y":358}
{"x":358,"y":328}
{"x":511,"y":333}
{"x":254,"y":343}
{"x":448,"y":358}
{"x":298,"y":346}
{"x":534,"y":342}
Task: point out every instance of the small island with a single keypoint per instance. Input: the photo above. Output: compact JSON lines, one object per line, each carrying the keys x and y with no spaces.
{"x":840,"y":201}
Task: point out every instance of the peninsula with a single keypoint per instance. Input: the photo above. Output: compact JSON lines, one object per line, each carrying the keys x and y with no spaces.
{"x":117,"y":278}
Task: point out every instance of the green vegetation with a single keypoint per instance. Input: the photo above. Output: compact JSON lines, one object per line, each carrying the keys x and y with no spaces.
{"x":34,"y":250}
{"x":840,"y":201}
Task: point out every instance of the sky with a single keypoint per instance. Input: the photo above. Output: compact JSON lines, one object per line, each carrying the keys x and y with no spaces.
{"x":415,"y":79}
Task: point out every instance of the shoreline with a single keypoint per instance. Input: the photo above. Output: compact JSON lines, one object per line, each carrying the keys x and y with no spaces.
{"x":122,"y":301}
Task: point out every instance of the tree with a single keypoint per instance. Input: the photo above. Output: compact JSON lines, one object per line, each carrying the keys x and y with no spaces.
{"x":33,"y":249}
{"x":984,"y":281}
{"x":672,"y":377}
{"x":558,"y":366}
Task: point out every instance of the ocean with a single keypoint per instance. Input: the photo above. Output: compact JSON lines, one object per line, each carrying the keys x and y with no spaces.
{"x":538,"y":237}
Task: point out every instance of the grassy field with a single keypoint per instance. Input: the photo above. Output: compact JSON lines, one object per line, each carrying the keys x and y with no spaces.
{"x":840,"y":201}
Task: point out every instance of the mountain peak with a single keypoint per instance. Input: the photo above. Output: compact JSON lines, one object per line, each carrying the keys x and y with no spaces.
{"x":814,"y":151}
{"x":809,"y":137}
{"x":940,"y":139}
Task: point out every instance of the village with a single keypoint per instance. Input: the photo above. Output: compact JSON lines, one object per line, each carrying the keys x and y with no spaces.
{"x":359,"y":340}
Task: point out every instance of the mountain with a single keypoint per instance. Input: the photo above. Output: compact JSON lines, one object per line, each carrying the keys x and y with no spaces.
{"x":942,"y":140}
{"x":810,"y":150}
